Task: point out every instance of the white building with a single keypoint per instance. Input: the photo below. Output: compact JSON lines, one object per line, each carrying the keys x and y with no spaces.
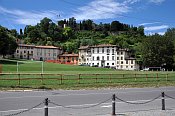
{"x":37,"y":52}
{"x":106,"y":55}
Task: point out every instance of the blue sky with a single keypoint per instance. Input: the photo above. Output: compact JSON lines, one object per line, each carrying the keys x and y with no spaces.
{"x":155,"y":15}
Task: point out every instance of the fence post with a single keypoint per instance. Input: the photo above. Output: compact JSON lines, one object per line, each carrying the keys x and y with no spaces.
{"x":96,"y":78}
{"x":46,"y":107}
{"x":79,"y":78}
{"x":113,"y":105}
{"x":163,"y":101}
{"x":166,"y":77}
{"x":19,"y":83}
{"x":42,"y":78}
{"x":110,"y":78}
{"x":0,"y":68}
{"x":61,"y":79}
{"x":157,"y":77}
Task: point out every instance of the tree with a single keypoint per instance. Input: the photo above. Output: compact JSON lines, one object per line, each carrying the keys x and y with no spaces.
{"x":67,"y":32}
{"x":8,"y":44}
{"x":44,"y":23}
{"x":116,"y":26}
{"x":158,"y":50}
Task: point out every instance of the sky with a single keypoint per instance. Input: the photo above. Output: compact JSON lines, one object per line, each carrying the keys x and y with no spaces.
{"x":155,"y":15}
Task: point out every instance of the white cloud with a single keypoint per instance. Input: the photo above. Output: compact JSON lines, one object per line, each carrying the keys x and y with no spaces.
{"x":143,"y":24}
{"x":152,"y":33}
{"x":156,"y":1}
{"x":28,"y":18}
{"x":101,"y":9}
{"x":130,"y":1}
{"x":153,"y":28}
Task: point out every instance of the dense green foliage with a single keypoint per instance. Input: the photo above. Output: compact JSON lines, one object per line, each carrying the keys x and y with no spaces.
{"x":7,"y":41}
{"x":150,"y":51}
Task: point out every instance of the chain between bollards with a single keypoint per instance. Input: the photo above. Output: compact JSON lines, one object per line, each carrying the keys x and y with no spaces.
{"x":46,"y":107}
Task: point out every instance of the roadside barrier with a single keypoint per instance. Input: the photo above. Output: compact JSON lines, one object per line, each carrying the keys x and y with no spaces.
{"x":46,"y":102}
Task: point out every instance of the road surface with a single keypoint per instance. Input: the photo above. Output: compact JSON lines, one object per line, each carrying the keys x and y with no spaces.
{"x":84,"y":102}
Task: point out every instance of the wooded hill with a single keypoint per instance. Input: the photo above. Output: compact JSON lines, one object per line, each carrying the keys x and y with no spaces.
{"x":153,"y":50}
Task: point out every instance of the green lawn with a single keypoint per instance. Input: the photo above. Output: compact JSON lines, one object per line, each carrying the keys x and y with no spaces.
{"x":77,"y":77}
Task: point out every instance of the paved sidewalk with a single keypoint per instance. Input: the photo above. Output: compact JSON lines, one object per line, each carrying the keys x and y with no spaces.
{"x":149,"y":113}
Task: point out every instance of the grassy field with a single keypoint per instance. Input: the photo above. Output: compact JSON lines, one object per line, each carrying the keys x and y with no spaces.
{"x":60,"y":76}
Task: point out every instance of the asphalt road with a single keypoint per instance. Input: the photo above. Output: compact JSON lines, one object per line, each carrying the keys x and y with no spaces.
{"x":84,"y":102}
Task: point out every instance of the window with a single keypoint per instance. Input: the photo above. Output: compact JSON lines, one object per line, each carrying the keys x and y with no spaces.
{"x":93,"y":50}
{"x":102,"y":57}
{"x":131,"y":66}
{"x":121,"y":53}
{"x":97,"y":50}
{"x":93,"y":58}
{"x":17,"y":51}
{"x":112,"y":57}
{"x":126,"y":66}
{"x":112,"y":63}
{"x":108,"y":50}
{"x":92,"y":64}
{"x":87,"y":59}
{"x":121,"y":62}
{"x":126,"y":61}
{"x":108,"y":64}
{"x":102,"y":50}
{"x":121,"y":58}
{"x":118,"y":53}
{"x":107,"y":57}
{"x":77,"y":59}
{"x":117,"y":62}
{"x":24,"y":51}
{"x":117,"y":58}
{"x":112,"y":51}
{"x":98,"y":64}
{"x":121,"y":66}
{"x":98,"y":58}
{"x":131,"y":61}
{"x":72,"y":58}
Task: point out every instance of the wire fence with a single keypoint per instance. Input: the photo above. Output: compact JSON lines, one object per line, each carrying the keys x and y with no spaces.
{"x":46,"y":102}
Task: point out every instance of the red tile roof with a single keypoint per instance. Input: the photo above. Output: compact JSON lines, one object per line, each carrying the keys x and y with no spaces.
{"x":47,"y":47}
{"x":26,"y":45}
{"x":105,"y":45}
{"x":70,"y":55}
{"x":83,"y":47}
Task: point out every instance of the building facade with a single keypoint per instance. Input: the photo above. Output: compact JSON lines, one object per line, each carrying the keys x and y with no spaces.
{"x":106,"y":55}
{"x":68,"y":58}
{"x":37,"y":52}
{"x":24,"y":51}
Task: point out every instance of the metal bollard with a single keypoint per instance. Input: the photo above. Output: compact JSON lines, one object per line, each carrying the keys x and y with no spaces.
{"x":163,"y":101}
{"x":113,"y":105}
{"x":46,"y":107}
